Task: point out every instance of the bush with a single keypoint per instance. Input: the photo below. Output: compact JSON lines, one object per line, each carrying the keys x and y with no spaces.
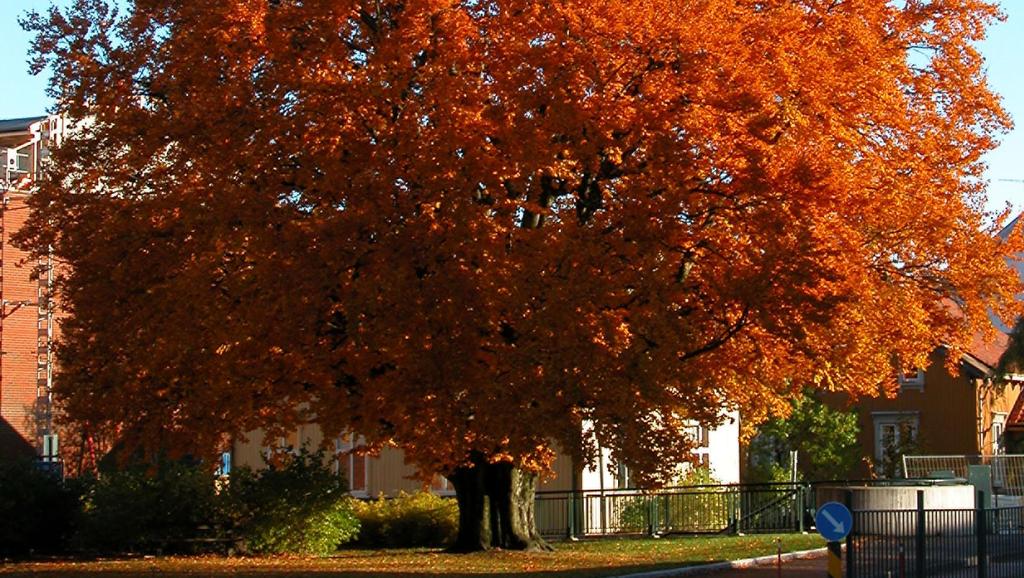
{"x":301,"y":507}
{"x":705,"y":510}
{"x":682,"y":508}
{"x":37,"y":510}
{"x":679,"y":510}
{"x":697,"y":476}
{"x":763,"y":472}
{"x":410,"y":520}
{"x":147,"y":509}
{"x":634,"y":513}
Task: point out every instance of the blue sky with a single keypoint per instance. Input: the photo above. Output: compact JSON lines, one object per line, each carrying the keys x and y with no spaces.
{"x":25,"y":95}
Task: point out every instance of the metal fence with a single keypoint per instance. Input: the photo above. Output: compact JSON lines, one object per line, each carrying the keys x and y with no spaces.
{"x":732,"y":508}
{"x":982,"y":542}
{"x":1007,"y":470}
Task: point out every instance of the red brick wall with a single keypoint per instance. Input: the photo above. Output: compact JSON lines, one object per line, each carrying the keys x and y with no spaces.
{"x":19,"y":350}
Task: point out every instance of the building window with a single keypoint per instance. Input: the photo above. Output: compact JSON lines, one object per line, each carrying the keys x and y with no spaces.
{"x":351,"y":465}
{"x":699,"y":434}
{"x":998,"y":427}
{"x":896,"y":434}
{"x":441,"y":485}
{"x":623,"y":477}
{"x":224,"y":469}
{"x":284,"y":447}
{"x":912,"y":380}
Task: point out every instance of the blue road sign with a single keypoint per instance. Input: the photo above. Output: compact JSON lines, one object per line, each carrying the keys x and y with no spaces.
{"x":834,"y":521}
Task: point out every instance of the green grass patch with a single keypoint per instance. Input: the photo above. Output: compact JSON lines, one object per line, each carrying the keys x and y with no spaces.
{"x":609,"y":557}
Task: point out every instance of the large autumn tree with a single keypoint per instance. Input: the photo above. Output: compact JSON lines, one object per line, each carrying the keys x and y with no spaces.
{"x":483,"y":229}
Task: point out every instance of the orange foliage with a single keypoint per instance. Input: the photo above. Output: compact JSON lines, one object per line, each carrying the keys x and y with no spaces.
{"x":484,"y":225}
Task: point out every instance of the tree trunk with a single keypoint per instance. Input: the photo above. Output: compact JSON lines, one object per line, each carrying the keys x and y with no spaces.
{"x":496,"y":508}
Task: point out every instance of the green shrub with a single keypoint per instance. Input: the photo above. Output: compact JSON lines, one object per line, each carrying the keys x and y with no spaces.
{"x":697,"y":476}
{"x":634,"y":513}
{"x":150,"y":509}
{"x":37,"y":510}
{"x":409,"y":520}
{"x":680,"y":508}
{"x":767,"y":472}
{"x":701,"y":510}
{"x":301,"y":507}
{"x":677,"y":510}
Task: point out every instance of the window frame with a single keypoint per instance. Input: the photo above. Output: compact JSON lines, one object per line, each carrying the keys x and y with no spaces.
{"x":894,"y":419}
{"x":908,"y":383}
{"x":998,"y":429}
{"x":343,"y":450}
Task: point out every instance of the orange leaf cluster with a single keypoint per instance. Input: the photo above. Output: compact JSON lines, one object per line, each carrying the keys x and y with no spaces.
{"x":490,"y":225}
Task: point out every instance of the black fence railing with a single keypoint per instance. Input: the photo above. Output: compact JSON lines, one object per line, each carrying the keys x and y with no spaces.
{"x":730,"y":508}
{"x":704,"y":509}
{"x":980,"y":542}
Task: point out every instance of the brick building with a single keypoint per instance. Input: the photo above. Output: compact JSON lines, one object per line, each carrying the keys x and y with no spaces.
{"x":26,"y":317}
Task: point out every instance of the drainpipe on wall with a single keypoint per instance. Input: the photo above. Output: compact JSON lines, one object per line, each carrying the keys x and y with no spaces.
{"x":981,"y":415}
{"x":600,"y":484}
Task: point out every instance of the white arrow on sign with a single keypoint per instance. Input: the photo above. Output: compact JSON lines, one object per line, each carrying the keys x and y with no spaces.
{"x":839,"y":527}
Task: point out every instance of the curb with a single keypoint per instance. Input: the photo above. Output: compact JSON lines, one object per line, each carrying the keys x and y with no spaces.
{"x":733,"y":565}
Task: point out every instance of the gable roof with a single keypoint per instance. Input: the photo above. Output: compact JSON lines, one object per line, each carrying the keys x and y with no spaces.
{"x":988,"y":351}
{"x":1004,"y":234}
{"x":19,"y":124}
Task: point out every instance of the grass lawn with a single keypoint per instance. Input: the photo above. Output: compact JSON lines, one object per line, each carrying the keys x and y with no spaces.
{"x":570,"y":560}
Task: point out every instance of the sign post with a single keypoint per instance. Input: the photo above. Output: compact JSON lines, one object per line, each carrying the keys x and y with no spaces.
{"x":834,"y":522}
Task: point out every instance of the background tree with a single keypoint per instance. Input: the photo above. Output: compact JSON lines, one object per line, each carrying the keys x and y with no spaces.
{"x":1012,"y":360}
{"x":475,"y":229}
{"x":825,"y":438}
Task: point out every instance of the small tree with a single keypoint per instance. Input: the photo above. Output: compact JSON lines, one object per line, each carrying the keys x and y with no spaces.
{"x":826,"y":439}
{"x":1012,"y":360}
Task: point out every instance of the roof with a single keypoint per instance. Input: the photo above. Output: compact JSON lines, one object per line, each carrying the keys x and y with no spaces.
{"x":988,"y":351}
{"x":1004,"y":234}
{"x":19,"y":124}
{"x":986,"y":347}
